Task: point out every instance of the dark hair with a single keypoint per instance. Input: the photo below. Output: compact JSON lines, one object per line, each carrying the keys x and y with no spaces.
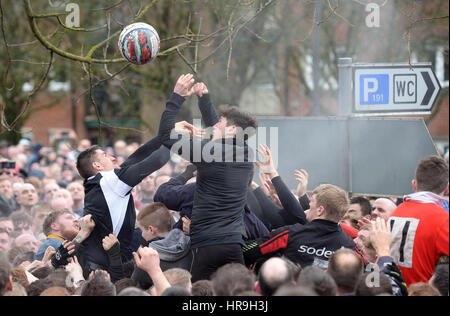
{"x":440,"y":279}
{"x":39,"y":286}
{"x":269,"y":284}
{"x":133,"y":291}
{"x":124,"y":283}
{"x":99,"y":285}
{"x":384,"y":287}
{"x":202,"y":288}
{"x":432,"y":175}
{"x":241,"y":119}
{"x":176,"y":291}
{"x":346,"y":267}
{"x":42,"y":272}
{"x":232,"y":279}
{"x":318,"y":280}
{"x":291,"y":290}
{"x":20,"y":218}
{"x":364,"y":203}
{"x":85,"y":160}
{"x":23,"y":257}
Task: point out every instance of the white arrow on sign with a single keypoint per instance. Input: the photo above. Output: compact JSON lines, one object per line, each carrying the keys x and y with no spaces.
{"x":393,"y":88}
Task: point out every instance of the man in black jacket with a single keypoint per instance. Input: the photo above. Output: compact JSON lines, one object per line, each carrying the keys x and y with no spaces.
{"x":314,"y":242}
{"x":224,"y":170}
{"x":108,"y":197}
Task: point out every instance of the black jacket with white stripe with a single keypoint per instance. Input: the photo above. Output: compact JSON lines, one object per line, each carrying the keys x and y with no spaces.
{"x":108,"y":199}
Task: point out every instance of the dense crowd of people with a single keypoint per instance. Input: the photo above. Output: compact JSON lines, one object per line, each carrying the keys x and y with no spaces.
{"x":157,"y":219}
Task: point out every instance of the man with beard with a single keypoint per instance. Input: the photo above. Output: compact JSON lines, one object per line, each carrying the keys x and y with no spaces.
{"x":62,"y":225}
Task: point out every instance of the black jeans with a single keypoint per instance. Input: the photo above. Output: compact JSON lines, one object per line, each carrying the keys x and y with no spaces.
{"x":208,"y":259}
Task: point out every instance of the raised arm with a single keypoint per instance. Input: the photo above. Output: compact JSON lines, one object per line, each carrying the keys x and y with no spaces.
{"x":168,"y":119}
{"x":142,"y":152}
{"x":209,"y":114}
{"x":287,"y":199}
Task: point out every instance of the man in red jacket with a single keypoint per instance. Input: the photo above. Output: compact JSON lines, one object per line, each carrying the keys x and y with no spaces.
{"x":420,"y":225}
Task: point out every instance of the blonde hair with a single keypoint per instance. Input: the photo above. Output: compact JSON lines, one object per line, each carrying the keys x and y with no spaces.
{"x":333,"y":199}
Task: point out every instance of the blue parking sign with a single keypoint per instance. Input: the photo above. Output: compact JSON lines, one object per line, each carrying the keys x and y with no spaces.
{"x":374,"y":89}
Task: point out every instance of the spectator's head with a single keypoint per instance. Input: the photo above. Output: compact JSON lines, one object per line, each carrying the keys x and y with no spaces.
{"x":373,"y":284}
{"x":179,"y":277}
{"x":22,"y":222}
{"x":232,"y":279}
{"x":202,"y":288}
{"x":120,"y":148}
{"x":76,"y":190}
{"x":360,"y":206}
{"x":84,"y":144}
{"x":274,"y":273}
{"x":383,"y":208}
{"x":422,"y":289}
{"x":176,"y":291}
{"x":328,"y":202}
{"x":133,"y":291}
{"x":26,"y":256}
{"x":154,"y":221}
{"x":27,"y":197}
{"x":160,"y":179}
{"x":39,"y":212}
{"x":291,"y":290}
{"x":64,"y":194}
{"x":147,"y":186}
{"x":27,"y":241}
{"x":439,"y":280}
{"x":234,"y":123}
{"x":39,"y":286}
{"x":5,"y":274}
{"x":94,"y":160}
{"x":124,"y":283}
{"x":7,"y":224}
{"x":17,"y":290}
{"x":61,"y":223}
{"x":6,"y":186}
{"x":60,"y":204}
{"x":5,"y":240}
{"x":55,"y":291}
{"x":98,"y":285}
{"x":49,"y":190}
{"x":346,"y":268}
{"x":364,"y":244}
{"x":431,"y":175}
{"x":318,"y":280}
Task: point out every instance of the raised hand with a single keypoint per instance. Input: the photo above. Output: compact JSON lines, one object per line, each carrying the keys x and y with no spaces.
{"x":186,"y":225}
{"x":302,"y":178}
{"x":200,"y":89}
{"x":381,"y":237}
{"x":87,"y":224}
{"x":75,"y":271}
{"x":268,"y":166}
{"x":184,"y":85}
{"x":190,"y":130}
{"x":147,"y":259}
{"x":109,"y":241}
